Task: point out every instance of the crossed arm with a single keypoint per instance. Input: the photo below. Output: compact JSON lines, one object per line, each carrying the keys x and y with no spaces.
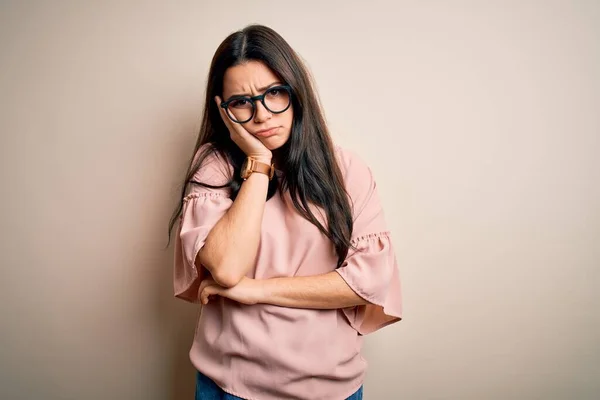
{"x":231,"y":247}
{"x":326,"y":291}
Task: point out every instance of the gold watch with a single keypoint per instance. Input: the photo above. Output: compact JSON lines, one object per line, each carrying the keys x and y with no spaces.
{"x":251,"y":165}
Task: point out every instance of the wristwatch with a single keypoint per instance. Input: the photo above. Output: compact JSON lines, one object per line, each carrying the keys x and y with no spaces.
{"x":251,"y":165}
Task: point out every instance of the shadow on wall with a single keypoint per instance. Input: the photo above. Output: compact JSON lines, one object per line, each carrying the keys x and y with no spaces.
{"x":177,"y":316}
{"x":179,"y":320}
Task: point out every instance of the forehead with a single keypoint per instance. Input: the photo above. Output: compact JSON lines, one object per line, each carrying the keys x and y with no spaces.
{"x":247,"y":77}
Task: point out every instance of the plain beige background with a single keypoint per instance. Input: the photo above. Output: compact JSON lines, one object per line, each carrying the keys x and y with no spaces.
{"x":479,"y":119}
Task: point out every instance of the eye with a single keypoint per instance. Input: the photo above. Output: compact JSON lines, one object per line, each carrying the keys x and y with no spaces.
{"x":240,"y":103}
{"x":274,"y":92}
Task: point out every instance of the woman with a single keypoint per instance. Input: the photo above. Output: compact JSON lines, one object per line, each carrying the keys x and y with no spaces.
{"x":287,"y":286}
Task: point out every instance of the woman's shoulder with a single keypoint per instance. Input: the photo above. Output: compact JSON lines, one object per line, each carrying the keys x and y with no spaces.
{"x":361,"y":187}
{"x":353,"y":167}
{"x":358,"y":178}
{"x":215,"y":169}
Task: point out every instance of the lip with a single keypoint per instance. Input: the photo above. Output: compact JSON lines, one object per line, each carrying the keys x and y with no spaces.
{"x":267,"y":132}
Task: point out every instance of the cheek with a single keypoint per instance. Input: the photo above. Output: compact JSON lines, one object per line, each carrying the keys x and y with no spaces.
{"x":288,"y":121}
{"x":288,"y":118}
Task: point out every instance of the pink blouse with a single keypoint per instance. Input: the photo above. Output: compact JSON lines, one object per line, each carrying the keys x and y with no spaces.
{"x":267,"y":352}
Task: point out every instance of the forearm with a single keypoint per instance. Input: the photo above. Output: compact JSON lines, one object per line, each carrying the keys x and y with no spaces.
{"x":230,"y":249}
{"x":327,"y":291}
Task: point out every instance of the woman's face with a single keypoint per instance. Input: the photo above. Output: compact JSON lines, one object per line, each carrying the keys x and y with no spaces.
{"x":252,"y":79}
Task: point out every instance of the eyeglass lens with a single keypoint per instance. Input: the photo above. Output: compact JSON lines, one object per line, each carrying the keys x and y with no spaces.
{"x":242,"y":109}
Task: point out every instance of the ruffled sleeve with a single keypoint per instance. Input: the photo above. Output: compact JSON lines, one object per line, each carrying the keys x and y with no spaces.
{"x":372,"y":270}
{"x":202,"y":209}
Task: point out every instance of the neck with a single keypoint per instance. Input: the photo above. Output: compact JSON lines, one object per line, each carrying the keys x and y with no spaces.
{"x":277,"y":159}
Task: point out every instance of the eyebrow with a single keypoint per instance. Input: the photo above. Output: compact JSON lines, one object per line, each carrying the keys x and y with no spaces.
{"x":262,"y":89}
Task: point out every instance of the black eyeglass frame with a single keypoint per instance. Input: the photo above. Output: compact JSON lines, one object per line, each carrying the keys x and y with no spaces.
{"x":253,"y":99}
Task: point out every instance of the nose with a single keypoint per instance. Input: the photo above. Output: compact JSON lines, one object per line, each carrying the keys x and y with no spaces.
{"x":261,"y":114}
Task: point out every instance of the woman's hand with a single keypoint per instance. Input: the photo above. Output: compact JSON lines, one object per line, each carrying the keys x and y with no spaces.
{"x":247,"y":291}
{"x":248,"y":143}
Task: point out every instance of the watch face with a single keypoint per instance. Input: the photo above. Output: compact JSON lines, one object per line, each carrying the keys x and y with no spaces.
{"x":245,"y":169}
{"x":250,"y":165}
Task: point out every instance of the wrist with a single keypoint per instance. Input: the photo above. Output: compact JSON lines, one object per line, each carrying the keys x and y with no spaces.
{"x":261,"y":291}
{"x":262,"y":157}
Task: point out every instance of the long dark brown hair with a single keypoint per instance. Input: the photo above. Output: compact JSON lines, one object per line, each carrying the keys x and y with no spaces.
{"x":307,"y":159}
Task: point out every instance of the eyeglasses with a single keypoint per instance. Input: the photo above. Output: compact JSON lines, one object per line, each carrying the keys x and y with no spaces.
{"x":241,"y":109}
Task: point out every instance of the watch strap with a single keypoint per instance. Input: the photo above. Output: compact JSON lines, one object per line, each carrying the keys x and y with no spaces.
{"x":254,"y":165}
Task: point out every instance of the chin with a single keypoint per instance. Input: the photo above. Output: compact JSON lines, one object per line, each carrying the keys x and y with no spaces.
{"x":273,"y":143}
{"x":272,"y":147}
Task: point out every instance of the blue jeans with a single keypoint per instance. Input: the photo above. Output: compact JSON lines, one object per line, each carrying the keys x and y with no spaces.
{"x":206,"y":389}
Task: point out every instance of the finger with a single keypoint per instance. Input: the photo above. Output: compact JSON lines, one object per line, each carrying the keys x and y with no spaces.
{"x":218,"y":101}
{"x":207,"y":292}
{"x":221,"y":109}
{"x":223,"y":113}
{"x":205,"y":282}
{"x":234,"y":129}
